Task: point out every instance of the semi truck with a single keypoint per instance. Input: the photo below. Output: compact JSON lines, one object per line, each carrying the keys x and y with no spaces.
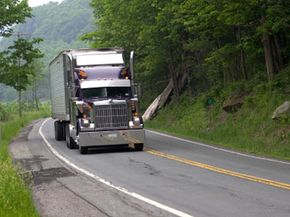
{"x":94,"y":99}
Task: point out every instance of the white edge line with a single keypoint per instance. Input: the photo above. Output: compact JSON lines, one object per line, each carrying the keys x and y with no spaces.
{"x":123,"y":190}
{"x":219,"y":149}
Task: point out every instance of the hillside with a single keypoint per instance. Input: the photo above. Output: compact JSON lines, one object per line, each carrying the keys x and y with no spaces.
{"x":248,"y":127}
{"x":60,"y":25}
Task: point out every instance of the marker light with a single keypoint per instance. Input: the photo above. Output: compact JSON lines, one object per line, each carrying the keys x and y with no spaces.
{"x":82,"y":74}
{"x":124,"y":74}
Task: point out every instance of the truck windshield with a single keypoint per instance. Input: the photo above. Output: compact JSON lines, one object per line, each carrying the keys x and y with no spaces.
{"x":107,"y":92}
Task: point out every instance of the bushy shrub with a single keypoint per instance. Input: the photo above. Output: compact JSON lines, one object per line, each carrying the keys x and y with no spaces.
{"x":15,"y":197}
{"x":5,"y":115}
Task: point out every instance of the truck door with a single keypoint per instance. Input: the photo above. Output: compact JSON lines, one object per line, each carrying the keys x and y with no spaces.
{"x":70,"y":87}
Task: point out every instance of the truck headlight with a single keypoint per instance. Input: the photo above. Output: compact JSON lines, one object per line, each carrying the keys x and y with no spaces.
{"x":136,"y":122}
{"x":131,"y":124}
{"x":85,"y":122}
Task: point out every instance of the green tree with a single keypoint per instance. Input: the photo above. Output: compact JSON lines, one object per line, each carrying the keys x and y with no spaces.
{"x":60,"y":25}
{"x":12,"y":12}
{"x":210,"y":43}
{"x":37,"y":80}
{"x":18,"y":71}
{"x":246,"y":36}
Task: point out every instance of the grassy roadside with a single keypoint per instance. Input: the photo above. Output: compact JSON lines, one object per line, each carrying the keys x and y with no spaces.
{"x":15,"y":196}
{"x":250,"y":129}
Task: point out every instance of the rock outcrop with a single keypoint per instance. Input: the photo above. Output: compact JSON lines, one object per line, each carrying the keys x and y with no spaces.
{"x":282,"y":109}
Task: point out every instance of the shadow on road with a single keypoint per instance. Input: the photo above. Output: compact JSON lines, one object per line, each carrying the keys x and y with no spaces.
{"x":110,"y":149}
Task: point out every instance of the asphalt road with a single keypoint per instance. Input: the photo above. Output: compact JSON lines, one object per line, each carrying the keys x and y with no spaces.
{"x":190,"y":178}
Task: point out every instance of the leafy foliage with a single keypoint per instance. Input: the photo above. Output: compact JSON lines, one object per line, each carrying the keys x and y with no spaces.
{"x":16,"y":65}
{"x":12,"y":12}
{"x":17,"y":68}
{"x":60,"y":26}
{"x":15,"y":197}
{"x":212,"y":43}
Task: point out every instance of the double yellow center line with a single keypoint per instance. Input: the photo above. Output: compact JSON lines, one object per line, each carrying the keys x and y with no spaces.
{"x":220,"y":170}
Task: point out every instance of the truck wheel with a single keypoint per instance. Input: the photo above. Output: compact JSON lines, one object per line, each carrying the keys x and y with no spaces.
{"x":59,"y":130}
{"x":62,"y":130}
{"x":139,"y":147}
{"x":83,"y":150}
{"x":56,"y":131}
{"x":70,"y":143}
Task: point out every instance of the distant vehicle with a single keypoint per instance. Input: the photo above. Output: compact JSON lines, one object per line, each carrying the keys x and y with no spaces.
{"x":94,"y":99}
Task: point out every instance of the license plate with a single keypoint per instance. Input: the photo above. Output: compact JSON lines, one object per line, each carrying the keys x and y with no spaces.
{"x":112,"y":135}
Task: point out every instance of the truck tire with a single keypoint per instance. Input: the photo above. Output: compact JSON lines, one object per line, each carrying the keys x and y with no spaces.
{"x":139,"y":147}
{"x":83,"y":150}
{"x":56,"y":126}
{"x":70,"y":143}
{"x":59,"y":130}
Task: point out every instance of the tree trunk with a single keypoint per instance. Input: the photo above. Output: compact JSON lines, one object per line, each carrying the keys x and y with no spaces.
{"x":266,"y":40}
{"x":35,"y":98}
{"x":173,"y":75}
{"x":242,"y":55}
{"x":19,"y":104}
{"x":159,"y":102}
{"x":243,"y":65}
{"x":224,"y":77}
{"x":190,"y":94}
{"x":279,"y":57}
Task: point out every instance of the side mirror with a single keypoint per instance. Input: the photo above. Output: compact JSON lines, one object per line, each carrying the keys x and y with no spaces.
{"x":132,"y":64}
{"x":75,"y":98}
{"x":137,"y":90}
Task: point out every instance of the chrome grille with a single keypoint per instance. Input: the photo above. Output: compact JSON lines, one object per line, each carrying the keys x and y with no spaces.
{"x":113,"y":116}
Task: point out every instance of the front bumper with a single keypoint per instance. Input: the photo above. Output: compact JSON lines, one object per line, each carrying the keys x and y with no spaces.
{"x":114,"y":137}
